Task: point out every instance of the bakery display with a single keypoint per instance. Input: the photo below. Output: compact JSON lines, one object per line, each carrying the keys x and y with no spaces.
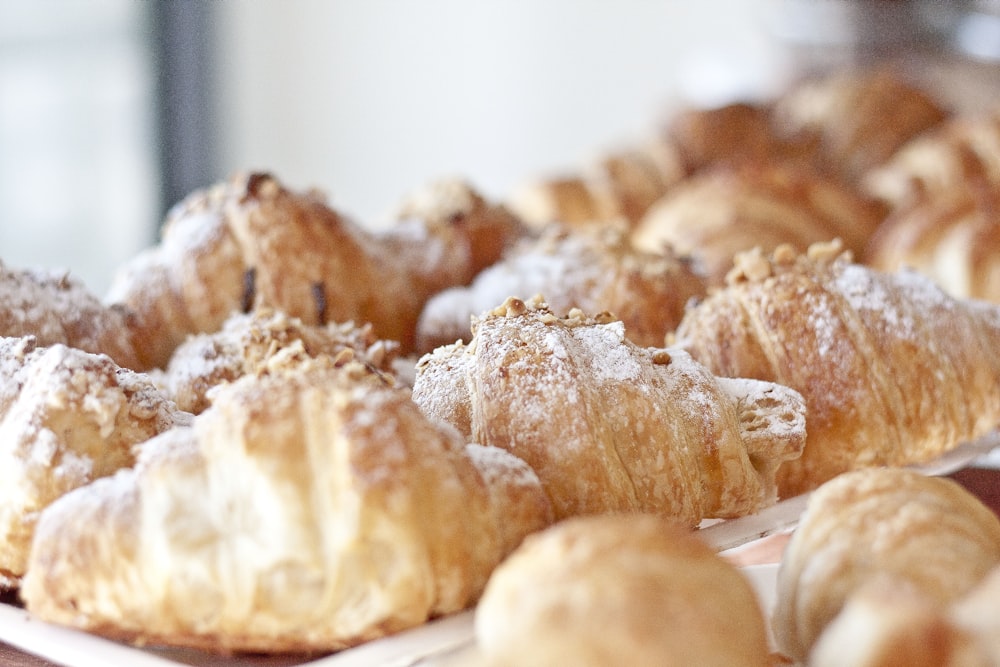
{"x":628,"y":590}
{"x":892,"y":369}
{"x":594,"y":270}
{"x":307,"y":510}
{"x":916,"y":543}
{"x":67,"y":418}
{"x":609,"y":426}
{"x":251,"y":242}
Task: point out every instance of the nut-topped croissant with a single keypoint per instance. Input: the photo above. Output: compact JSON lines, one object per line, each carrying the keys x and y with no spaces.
{"x":609,"y":426}
{"x":893,"y":370}
{"x":253,"y":242}
{"x":67,"y":417}
{"x":308,"y":509}
{"x":595,"y":270}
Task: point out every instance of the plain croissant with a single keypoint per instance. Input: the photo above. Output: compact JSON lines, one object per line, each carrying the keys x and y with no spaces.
{"x":307,"y":510}
{"x":876,"y":530}
{"x":252,"y":242}
{"x":67,"y":417}
{"x":609,"y":426}
{"x":893,"y":370}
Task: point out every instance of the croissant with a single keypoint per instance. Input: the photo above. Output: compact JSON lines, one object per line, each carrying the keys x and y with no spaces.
{"x":251,"y":242}
{"x":963,"y":150}
{"x":722,"y":211}
{"x":594,"y":270}
{"x":892,"y":369}
{"x":857,"y":119}
{"x":880,"y":527}
{"x":249,"y":343}
{"x":307,"y":510}
{"x":609,"y":426}
{"x":55,"y":307}
{"x":952,"y":237}
{"x":619,"y":590}
{"x":67,"y":417}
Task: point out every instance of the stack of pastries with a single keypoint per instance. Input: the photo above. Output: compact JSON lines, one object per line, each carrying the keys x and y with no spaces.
{"x":280,"y":431}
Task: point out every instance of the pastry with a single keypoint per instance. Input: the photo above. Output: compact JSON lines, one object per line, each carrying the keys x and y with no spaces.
{"x":953,"y":237}
{"x":619,"y":590}
{"x":595,"y":270}
{"x":252,"y":242}
{"x":876,"y":528}
{"x":609,"y":426}
{"x":307,"y":510}
{"x":857,"y":118}
{"x":55,"y":307}
{"x":893,"y":370}
{"x":248,"y":343}
{"x":67,"y":417}
{"x":722,"y":211}
{"x":963,"y":150}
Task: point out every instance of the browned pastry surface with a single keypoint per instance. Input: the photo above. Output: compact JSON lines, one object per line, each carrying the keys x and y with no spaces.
{"x":722,"y":211}
{"x":308,"y":509}
{"x":607,"y":425}
{"x":893,"y":370}
{"x":595,"y":270}
{"x":67,"y":417}
{"x":873,"y":533}
{"x":619,"y":590}
{"x":252,"y":242}
{"x":55,"y":307}
{"x":249,"y":343}
{"x":953,"y":237}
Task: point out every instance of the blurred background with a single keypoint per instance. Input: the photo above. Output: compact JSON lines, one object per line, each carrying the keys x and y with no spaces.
{"x":112,"y":110}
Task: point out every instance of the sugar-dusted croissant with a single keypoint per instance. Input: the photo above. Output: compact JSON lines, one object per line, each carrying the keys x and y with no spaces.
{"x":965,"y":149}
{"x":67,"y":417}
{"x":880,"y":527}
{"x":609,"y":426}
{"x":595,"y":270}
{"x":306,"y":510}
{"x":953,"y":237}
{"x":857,"y":118}
{"x":722,"y":211}
{"x":619,"y":590}
{"x":250,"y":343}
{"x":55,"y":307}
{"x":893,"y":370}
{"x":252,"y":242}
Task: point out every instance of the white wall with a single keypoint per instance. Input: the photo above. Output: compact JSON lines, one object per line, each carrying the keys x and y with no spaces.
{"x":371,"y":99}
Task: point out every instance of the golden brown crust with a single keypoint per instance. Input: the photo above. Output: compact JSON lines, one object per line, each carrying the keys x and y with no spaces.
{"x":628,"y":590}
{"x":609,"y":426}
{"x":723,"y":211}
{"x":252,"y":242}
{"x":306,"y":510}
{"x":893,"y":370}
{"x":55,"y":307}
{"x":880,"y":527}
{"x":249,"y":343}
{"x":67,"y":417}
{"x":595,"y":270}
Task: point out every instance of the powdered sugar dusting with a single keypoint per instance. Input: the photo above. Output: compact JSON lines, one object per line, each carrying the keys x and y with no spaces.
{"x":498,"y":466}
{"x":611,"y":357}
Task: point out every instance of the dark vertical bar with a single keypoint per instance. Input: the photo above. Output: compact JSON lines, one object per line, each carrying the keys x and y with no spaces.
{"x":184,"y":61}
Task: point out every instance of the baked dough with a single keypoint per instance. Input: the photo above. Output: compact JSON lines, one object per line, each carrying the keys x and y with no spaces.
{"x":252,"y":242}
{"x":893,"y":370}
{"x":619,"y":590}
{"x":607,"y":425}
{"x":307,"y":510}
{"x":67,"y":417}
{"x":595,"y":270}
{"x":880,"y":527}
